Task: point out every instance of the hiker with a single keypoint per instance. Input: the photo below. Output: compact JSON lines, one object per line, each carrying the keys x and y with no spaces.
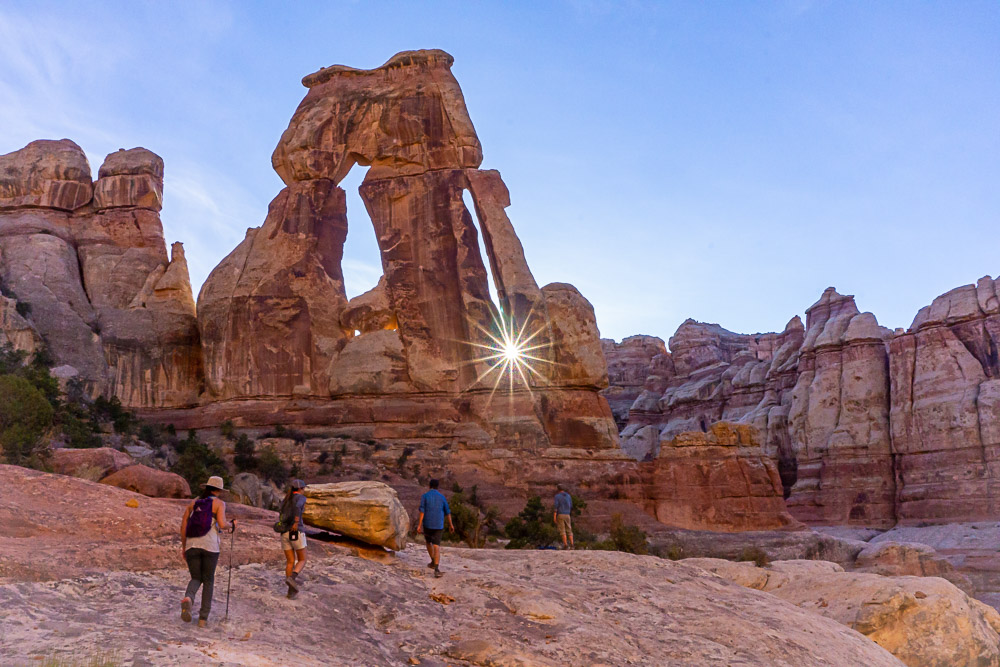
{"x":561,"y":516}
{"x":293,"y":540}
{"x":203,"y":519}
{"x":433,"y":509}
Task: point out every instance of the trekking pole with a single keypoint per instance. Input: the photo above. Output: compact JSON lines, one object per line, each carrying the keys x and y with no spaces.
{"x":232,"y":543}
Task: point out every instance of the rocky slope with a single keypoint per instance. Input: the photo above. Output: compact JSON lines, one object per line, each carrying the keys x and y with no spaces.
{"x":491,"y":608}
{"x":867,"y":427}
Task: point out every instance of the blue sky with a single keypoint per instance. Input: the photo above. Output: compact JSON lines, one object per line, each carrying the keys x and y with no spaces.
{"x":724,"y":161}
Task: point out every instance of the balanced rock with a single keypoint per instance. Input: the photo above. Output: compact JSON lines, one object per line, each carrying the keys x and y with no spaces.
{"x":149,"y":482}
{"x":367,"y":511}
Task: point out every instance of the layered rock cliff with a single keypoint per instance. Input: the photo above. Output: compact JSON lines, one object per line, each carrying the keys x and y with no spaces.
{"x":867,"y":427}
{"x":87,"y":262}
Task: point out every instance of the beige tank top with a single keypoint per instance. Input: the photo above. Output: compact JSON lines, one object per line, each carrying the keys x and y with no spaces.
{"x":208,"y":541}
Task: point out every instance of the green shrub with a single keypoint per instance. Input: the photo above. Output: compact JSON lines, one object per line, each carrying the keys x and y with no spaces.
{"x":245,"y":454}
{"x":228,"y":430}
{"x":271,"y":467}
{"x":80,"y":431}
{"x":403,"y":457}
{"x":198,"y":462}
{"x":25,"y":415}
{"x":630,"y":539}
{"x":755,"y":554}
{"x":472,"y":524}
{"x":532,"y":527}
{"x":123,"y":420}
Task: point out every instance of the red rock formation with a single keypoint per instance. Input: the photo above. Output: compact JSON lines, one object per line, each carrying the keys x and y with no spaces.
{"x":628,"y":367}
{"x":867,"y":427}
{"x":91,"y":262}
{"x":839,"y":418}
{"x":946,"y":407}
{"x":405,"y":359}
{"x":269,"y":314}
{"x":720,"y":480}
{"x":818,"y":394}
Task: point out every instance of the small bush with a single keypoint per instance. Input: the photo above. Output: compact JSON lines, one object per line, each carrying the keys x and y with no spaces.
{"x":532,"y":527}
{"x":124,"y":421}
{"x":630,"y":539}
{"x":271,"y":467}
{"x":401,"y":461}
{"x":245,"y":454}
{"x":25,"y":415}
{"x":756,"y":555}
{"x":472,"y":525}
{"x":79,"y":430}
{"x":228,"y":430}
{"x":198,"y":462}
{"x":673,"y":552}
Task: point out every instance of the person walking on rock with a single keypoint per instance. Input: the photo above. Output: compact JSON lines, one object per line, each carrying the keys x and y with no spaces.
{"x":203,"y":519}
{"x":561,"y":516}
{"x":433,"y":510}
{"x":293,"y":540}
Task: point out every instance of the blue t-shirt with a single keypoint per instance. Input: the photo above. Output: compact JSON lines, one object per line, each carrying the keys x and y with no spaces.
{"x":564,"y":503}
{"x":434,"y":506}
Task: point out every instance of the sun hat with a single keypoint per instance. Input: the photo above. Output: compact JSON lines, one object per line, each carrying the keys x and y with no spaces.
{"x":215,"y":482}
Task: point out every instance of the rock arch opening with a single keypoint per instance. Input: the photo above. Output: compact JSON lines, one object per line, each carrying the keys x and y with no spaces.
{"x":362,"y":261}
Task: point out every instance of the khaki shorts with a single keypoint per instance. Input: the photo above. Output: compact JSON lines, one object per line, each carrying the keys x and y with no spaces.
{"x":288,"y":545}
{"x":564,"y":525}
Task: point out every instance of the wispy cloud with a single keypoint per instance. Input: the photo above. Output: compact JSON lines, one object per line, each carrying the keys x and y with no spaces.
{"x":47,"y":80}
{"x":209,"y":212}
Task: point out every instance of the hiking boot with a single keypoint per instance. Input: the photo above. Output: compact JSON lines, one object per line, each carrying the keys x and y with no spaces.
{"x":292,"y":593}
{"x":437,"y":573}
{"x":202,"y":623}
{"x":186,"y":610}
{"x":292,"y":584}
{"x":431,"y":564}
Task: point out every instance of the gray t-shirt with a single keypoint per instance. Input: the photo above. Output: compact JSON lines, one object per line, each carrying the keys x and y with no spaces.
{"x":296,"y":506}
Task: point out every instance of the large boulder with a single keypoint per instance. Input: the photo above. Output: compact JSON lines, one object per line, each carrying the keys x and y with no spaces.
{"x":149,"y":482}
{"x":910,"y":559}
{"x":923,"y":621}
{"x":93,"y":464}
{"x":367,"y":511}
{"x":249,"y":489}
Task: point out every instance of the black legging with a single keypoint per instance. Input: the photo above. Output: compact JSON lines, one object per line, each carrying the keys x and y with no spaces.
{"x":201,"y":565}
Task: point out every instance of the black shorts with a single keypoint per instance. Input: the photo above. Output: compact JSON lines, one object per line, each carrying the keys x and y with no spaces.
{"x":433,"y":535}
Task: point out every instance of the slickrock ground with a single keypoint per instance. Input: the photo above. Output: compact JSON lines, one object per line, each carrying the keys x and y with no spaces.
{"x":923,"y":621}
{"x":491,"y":608}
